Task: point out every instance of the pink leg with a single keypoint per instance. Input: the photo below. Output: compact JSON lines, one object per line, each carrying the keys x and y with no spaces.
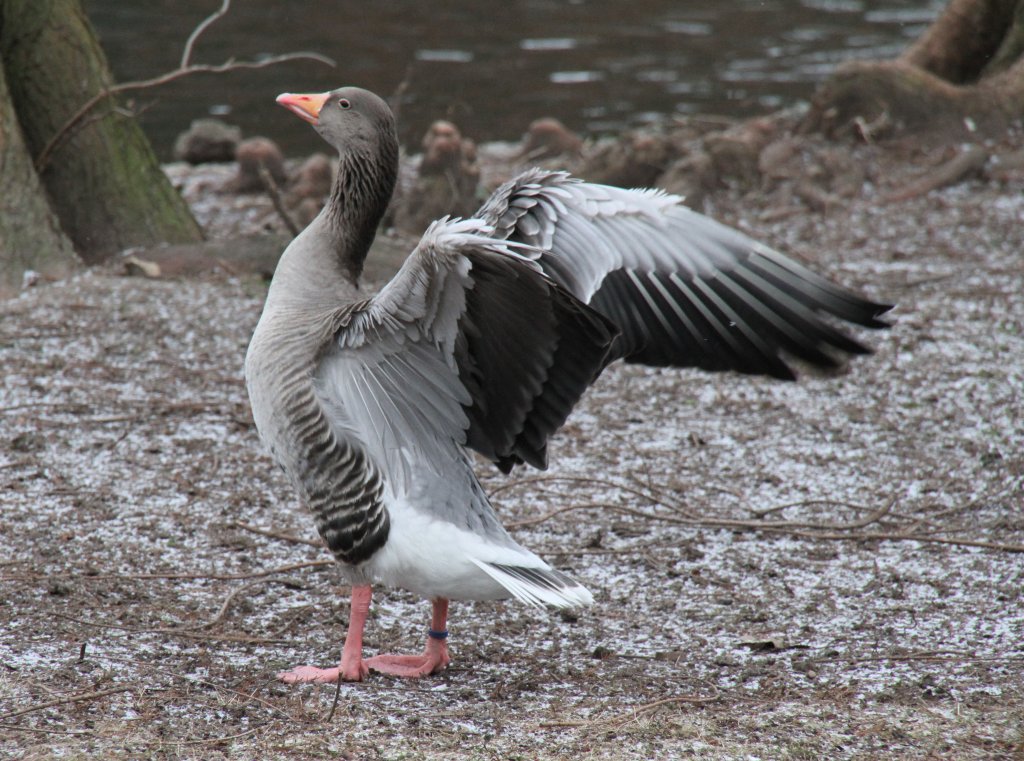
{"x":435,"y":656}
{"x":353,"y":668}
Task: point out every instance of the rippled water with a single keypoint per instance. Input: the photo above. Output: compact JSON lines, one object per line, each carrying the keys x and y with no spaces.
{"x":493,"y":67}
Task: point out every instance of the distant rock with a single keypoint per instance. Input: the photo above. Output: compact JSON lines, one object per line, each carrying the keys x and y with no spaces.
{"x":692,"y":177}
{"x":634,"y":160}
{"x":446,"y":182}
{"x":548,"y":139}
{"x":207,"y":140}
{"x":250,"y":155}
{"x":445,"y":150}
{"x":309,"y":188}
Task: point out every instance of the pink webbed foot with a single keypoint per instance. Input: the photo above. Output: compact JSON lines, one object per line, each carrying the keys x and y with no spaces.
{"x":306,"y":674}
{"x":435,"y":656}
{"x":434,"y":660}
{"x":352,"y":667}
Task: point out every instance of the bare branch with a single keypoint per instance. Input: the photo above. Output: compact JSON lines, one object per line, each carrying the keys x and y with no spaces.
{"x":185,"y":68}
{"x":64,"y":133}
{"x":275,"y":198}
{"x":186,"y":54}
{"x":395,"y":101}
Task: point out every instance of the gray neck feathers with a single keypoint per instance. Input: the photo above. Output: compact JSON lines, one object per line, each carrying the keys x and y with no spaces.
{"x":359,"y":198}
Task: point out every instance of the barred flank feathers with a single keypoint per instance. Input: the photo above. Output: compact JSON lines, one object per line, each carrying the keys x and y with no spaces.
{"x":342,"y":489}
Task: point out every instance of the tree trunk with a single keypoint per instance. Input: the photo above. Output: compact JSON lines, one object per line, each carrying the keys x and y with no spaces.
{"x":962,"y":41}
{"x":104,"y":183}
{"x":963,"y":78}
{"x":30,"y":235}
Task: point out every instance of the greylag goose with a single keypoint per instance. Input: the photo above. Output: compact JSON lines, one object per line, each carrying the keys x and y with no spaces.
{"x":484,"y":340}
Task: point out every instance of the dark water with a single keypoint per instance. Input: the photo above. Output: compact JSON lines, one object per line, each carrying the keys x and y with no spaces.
{"x":493,"y":67}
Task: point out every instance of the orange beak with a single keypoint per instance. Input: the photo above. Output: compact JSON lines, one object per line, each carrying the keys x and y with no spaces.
{"x":304,"y":106}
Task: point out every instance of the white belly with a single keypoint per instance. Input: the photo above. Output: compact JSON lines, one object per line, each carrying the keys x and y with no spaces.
{"x":434,"y":558}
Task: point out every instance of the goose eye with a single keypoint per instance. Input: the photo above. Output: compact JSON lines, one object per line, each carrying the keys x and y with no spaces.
{"x":345,"y":103}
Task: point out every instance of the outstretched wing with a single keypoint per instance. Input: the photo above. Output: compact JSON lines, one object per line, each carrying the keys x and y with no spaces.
{"x":469,"y":344}
{"x":683,"y":289}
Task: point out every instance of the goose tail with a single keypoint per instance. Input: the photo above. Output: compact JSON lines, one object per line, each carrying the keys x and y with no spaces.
{"x":539,"y":586}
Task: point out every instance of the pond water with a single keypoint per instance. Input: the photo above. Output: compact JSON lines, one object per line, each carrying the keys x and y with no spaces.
{"x":493,"y":67}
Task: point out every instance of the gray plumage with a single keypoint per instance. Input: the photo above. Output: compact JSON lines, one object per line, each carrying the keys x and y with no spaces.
{"x":485,"y":340}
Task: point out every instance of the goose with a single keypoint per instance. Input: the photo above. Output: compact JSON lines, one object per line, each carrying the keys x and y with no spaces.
{"x":483,"y":342}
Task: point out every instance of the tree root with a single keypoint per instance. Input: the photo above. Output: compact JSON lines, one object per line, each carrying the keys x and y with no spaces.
{"x":963,"y":78}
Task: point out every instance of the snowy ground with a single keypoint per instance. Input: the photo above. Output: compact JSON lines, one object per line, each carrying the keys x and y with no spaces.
{"x":746,"y":540}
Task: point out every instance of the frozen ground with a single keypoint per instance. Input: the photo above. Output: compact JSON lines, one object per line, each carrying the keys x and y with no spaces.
{"x":821,"y":570}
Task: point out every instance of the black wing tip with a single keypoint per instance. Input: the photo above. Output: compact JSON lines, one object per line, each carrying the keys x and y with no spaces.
{"x":511,"y":423}
{"x":876,"y":311}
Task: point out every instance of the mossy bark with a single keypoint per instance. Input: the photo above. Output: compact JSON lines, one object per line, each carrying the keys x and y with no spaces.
{"x":30,"y":235}
{"x":963,"y":77}
{"x":104,"y":183}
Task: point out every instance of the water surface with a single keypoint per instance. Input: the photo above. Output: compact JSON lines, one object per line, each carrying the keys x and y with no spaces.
{"x":493,"y":67}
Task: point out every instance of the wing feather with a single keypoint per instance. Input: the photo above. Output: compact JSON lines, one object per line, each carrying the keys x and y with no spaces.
{"x":683,"y":289}
{"x":469,"y":345}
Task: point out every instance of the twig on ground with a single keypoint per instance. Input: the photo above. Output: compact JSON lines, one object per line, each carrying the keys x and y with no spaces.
{"x":677,"y":699}
{"x":206,"y":741}
{"x":171,"y":576}
{"x":532,"y":480}
{"x":547,"y":550}
{"x":16,"y":464}
{"x":920,"y":655}
{"x":895,"y":537}
{"x":177,"y":632}
{"x":734,"y":523}
{"x":72,"y":732}
{"x":760,"y":513}
{"x":185,"y":68}
{"x":67,"y":406}
{"x":653,"y":495}
{"x":964,"y":164}
{"x":69,"y":699}
{"x":802,"y":529}
{"x":227,"y":604}
{"x":152,"y":410}
{"x":278,"y":535}
{"x":193,"y":680}
{"x":334,"y":703}
{"x":618,"y":721}
{"x":220,"y":615}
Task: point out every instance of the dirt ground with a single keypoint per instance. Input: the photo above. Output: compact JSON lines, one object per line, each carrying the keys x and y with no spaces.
{"x":824,"y":569}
